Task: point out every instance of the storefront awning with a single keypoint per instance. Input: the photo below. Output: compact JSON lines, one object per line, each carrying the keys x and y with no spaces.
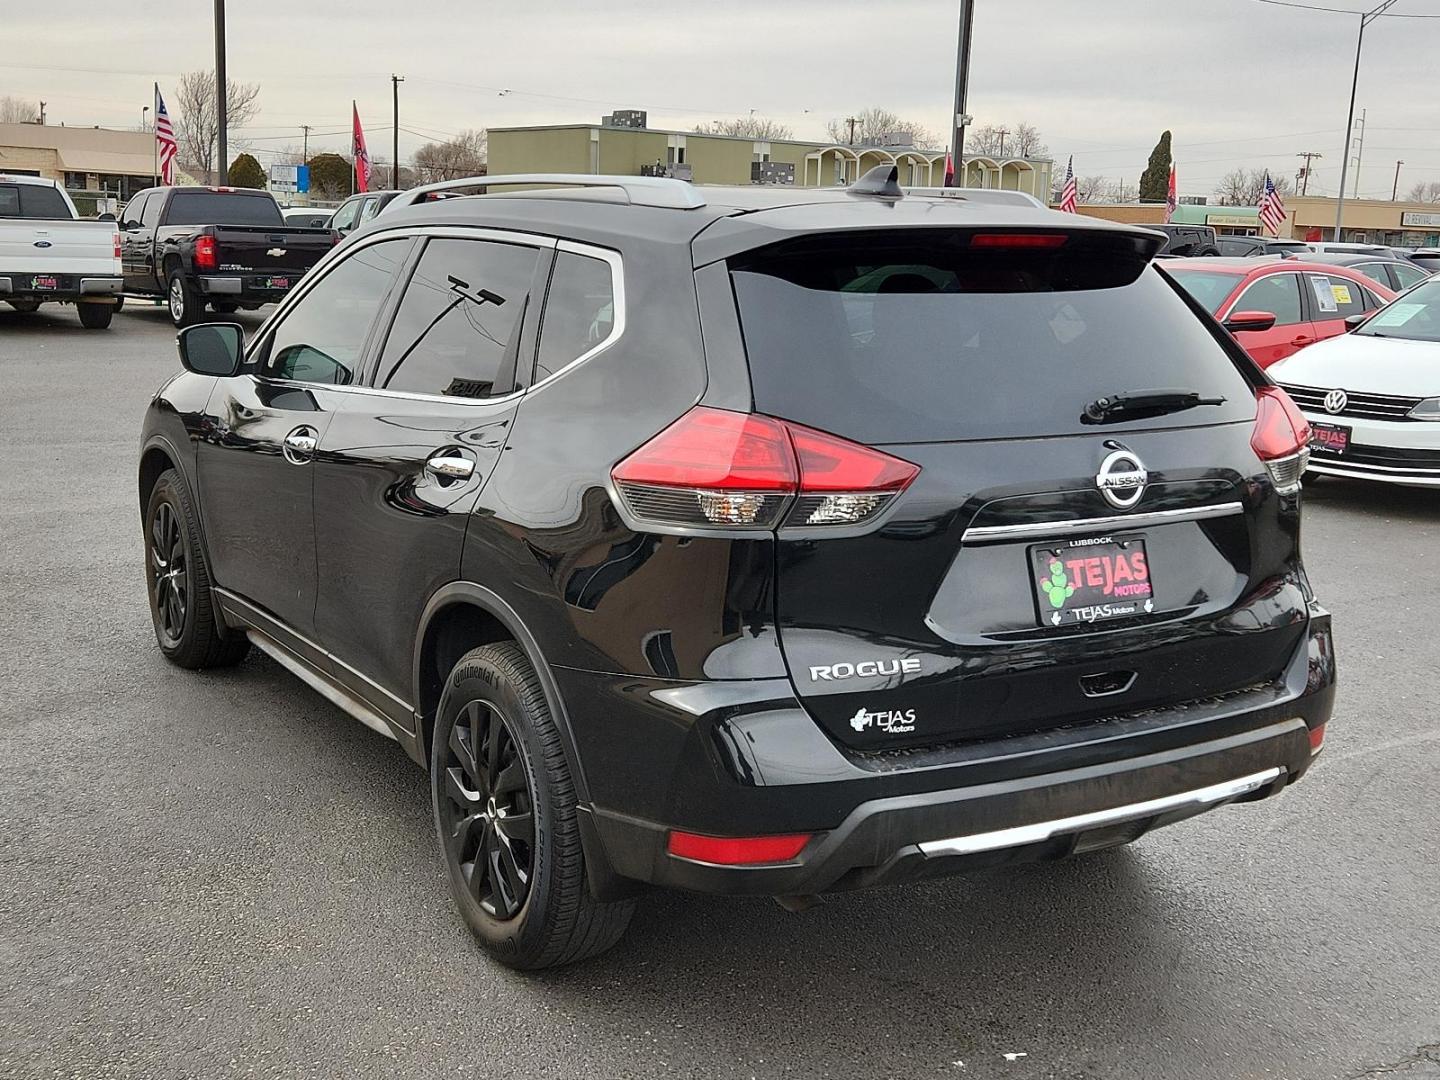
{"x":106,"y":162}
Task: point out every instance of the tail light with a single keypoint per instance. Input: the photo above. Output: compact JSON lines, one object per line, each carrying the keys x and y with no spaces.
{"x":1317,"y":739}
{"x":1281,"y":438}
{"x":737,"y":850}
{"x":116,"y":240}
{"x":740,"y":470}
{"x":1018,"y":240}
{"x":207,"y":255}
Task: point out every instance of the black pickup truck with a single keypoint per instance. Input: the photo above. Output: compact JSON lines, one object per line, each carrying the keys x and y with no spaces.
{"x":228,"y":247}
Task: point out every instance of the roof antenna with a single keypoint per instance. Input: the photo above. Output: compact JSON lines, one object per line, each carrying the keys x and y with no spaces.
{"x":882,"y":180}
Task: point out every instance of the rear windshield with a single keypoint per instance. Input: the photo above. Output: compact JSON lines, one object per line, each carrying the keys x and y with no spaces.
{"x":222,"y":208}
{"x":32,"y":201}
{"x":895,"y":341}
{"x":1207,"y":287}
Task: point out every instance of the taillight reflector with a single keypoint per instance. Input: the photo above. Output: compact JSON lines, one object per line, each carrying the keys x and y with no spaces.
{"x":1281,"y":437}
{"x":1018,"y":240}
{"x":206,"y":253}
{"x":737,"y":850}
{"x":716,"y":467}
{"x":1317,"y":739}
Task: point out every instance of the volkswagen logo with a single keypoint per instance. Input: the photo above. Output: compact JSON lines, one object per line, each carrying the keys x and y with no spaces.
{"x":1336,"y":400}
{"x":1122,"y":479}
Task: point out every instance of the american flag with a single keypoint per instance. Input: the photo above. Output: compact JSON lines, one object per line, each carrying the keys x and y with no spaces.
{"x":165,"y":147}
{"x":1272,"y":208}
{"x":1070,"y":193}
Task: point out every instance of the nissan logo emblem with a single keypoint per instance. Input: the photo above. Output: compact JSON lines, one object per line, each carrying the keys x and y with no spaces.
{"x":1336,"y":400}
{"x":1122,"y":479}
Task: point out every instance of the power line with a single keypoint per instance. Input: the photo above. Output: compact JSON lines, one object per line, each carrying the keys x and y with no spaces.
{"x":1341,"y":11}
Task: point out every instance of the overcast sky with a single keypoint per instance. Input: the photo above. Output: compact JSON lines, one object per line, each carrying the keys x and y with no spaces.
{"x":1240,"y":82}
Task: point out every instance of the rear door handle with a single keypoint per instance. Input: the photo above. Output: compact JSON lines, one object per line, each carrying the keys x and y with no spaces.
{"x":300,"y":445}
{"x":1302,"y":340}
{"x":450,"y":465}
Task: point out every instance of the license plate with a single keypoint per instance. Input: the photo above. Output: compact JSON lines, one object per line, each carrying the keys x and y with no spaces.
{"x":277,"y":283}
{"x":1091,"y":580}
{"x":1331,"y":438}
{"x":45,"y":281}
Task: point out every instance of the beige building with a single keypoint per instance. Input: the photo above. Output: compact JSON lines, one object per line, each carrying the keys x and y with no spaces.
{"x":728,"y":159}
{"x":117,"y":163}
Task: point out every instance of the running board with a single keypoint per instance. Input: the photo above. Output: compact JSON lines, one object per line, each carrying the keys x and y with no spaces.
{"x":1044,"y":830}
{"x":321,"y":685}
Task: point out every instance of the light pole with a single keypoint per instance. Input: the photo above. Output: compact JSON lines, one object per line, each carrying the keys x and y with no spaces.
{"x":395,"y":81}
{"x":220,"y":86}
{"x":1395,"y":191}
{"x":144,"y":109}
{"x":962,"y":89}
{"x":1366,"y":18}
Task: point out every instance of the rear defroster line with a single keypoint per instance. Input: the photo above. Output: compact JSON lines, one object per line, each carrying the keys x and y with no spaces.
{"x":1044,"y":830}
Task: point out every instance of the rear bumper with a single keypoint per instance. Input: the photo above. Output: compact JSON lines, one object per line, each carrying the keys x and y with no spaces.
{"x":246,"y":288}
{"x":69,"y":287}
{"x":760,"y":768}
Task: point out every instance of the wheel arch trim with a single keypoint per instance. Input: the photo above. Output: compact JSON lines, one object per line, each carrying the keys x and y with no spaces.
{"x":468,"y":592}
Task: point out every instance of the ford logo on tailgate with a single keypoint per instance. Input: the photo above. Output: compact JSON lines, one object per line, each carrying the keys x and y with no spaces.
{"x":43,"y":244}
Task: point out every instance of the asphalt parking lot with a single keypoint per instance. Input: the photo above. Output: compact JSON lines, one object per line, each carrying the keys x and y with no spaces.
{"x":221,"y":874}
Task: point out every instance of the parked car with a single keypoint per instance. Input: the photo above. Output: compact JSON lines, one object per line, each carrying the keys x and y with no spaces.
{"x":1372,"y":396}
{"x":744,"y":540}
{"x":1286,"y":306}
{"x":1396,"y":275}
{"x":308,"y":217}
{"x":49,"y":256}
{"x":358,"y":210}
{"x":1245,"y":247}
{"x":1186,"y":240}
{"x":1329,"y":247}
{"x":228,"y":247}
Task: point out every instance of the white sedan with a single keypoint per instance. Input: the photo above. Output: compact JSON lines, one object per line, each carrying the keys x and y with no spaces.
{"x":1372,"y":396}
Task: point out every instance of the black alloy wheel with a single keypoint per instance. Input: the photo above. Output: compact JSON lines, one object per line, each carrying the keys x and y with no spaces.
{"x":487,"y":812}
{"x":169,"y":575}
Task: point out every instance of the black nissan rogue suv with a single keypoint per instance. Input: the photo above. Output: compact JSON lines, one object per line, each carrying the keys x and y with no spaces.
{"x":752,"y":541}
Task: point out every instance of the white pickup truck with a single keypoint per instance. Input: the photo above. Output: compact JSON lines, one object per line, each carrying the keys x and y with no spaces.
{"x":48,"y":255}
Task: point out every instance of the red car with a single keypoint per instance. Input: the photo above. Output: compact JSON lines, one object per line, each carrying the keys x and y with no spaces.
{"x":1285,"y":304}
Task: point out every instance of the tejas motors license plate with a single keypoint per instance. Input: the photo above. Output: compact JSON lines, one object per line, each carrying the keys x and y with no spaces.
{"x":1091,"y":580}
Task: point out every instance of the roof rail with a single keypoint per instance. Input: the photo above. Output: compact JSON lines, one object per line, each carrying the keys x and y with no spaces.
{"x":658,"y":191}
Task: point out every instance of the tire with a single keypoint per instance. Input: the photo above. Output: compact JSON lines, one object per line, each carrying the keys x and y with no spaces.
{"x":184,"y":305}
{"x":25,"y":307}
{"x":177,"y":581}
{"x":1206,"y":252}
{"x":224,"y":307}
{"x":524,"y":894}
{"x":95,"y":316}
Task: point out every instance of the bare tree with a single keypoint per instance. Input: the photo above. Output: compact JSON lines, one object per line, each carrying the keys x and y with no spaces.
{"x":1425,"y":191}
{"x":15,"y":110}
{"x":747,"y":127}
{"x":462,"y":156}
{"x":870,"y":124}
{"x":1092,"y":189}
{"x":1017,"y":140}
{"x":197,"y":121}
{"x":1246,"y":187}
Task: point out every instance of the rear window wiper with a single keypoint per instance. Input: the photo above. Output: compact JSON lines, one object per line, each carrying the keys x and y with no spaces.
{"x":1134,"y":403}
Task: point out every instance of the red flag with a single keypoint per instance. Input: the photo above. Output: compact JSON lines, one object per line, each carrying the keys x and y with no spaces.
{"x":362,"y":156}
{"x":1172,"y":198}
{"x":949,"y":171}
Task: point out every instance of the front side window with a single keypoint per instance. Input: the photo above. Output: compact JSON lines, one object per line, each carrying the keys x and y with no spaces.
{"x":454,"y":330}
{"x":1278,"y":293}
{"x":1209,"y":288}
{"x":322,"y":338}
{"x":134,"y":209}
{"x":1407,"y":275}
{"x":579,"y":311}
{"x":345,"y":217}
{"x":1336,"y":297}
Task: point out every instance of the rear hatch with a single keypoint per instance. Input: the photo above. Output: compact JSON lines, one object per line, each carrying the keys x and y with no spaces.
{"x":1045,"y":567}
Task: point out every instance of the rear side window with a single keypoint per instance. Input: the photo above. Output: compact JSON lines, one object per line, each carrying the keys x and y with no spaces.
{"x":1278,"y":294}
{"x":32,"y":201}
{"x":899,"y":340}
{"x":222,"y":208}
{"x":579,"y":311}
{"x":1335,"y":297}
{"x":454,"y":330}
{"x":1376,"y":273}
{"x":1407,"y":275}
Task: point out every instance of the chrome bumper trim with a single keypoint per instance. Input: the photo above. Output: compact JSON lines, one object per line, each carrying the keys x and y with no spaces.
{"x":1044,"y":830}
{"x":991,"y":534}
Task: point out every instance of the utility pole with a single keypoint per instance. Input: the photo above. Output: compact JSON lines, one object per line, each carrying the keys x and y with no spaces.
{"x":221,"y":86}
{"x":961,"y":118}
{"x":1366,"y":18}
{"x":42,"y":115}
{"x":1395,"y":191}
{"x":1308,"y":155}
{"x":395,"y":81}
{"x":1002,"y":133}
{"x":1359,"y":151}
{"x":305,"y":153}
{"x":852,"y":121}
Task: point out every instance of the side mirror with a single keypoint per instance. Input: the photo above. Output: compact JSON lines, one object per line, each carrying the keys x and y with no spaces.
{"x":1354,"y":322}
{"x":1240,"y":321}
{"x":212,"y":348}
{"x":106,"y":217}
